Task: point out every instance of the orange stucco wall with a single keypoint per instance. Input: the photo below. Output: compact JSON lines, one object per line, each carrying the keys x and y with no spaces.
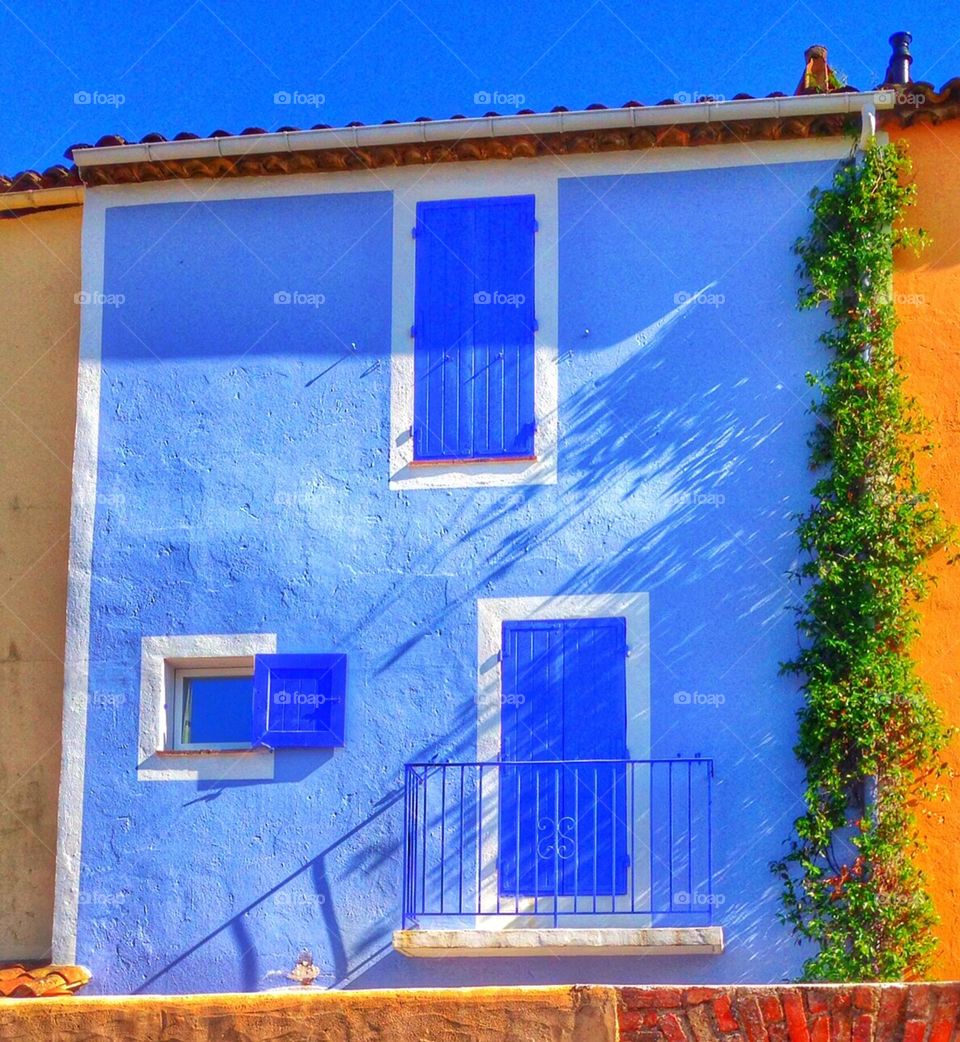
{"x":927,"y":294}
{"x":39,"y":275}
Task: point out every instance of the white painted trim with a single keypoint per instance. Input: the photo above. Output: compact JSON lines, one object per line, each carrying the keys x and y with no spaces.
{"x":446,"y":182}
{"x":436,"y":944}
{"x":160,"y":658}
{"x":80,"y":567}
{"x":486,"y":127}
{"x":492,"y":612}
{"x":33,"y":198}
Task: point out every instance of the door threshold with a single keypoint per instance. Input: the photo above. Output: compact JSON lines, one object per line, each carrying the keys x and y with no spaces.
{"x":658,"y":940}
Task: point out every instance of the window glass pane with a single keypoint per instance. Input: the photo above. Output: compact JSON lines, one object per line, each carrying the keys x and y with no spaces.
{"x":217,"y":710}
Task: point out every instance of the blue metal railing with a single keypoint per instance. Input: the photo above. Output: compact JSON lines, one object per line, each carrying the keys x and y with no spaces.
{"x":548,"y":839}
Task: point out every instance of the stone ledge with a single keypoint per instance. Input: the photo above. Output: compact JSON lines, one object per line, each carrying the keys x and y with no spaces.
{"x":542,"y":1014}
{"x":435,"y":944}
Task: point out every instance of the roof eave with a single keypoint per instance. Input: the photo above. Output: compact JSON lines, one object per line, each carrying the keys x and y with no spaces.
{"x":441,"y":130}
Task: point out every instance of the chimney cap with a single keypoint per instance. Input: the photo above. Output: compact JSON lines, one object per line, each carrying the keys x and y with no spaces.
{"x":898,"y":70}
{"x":818,"y":77}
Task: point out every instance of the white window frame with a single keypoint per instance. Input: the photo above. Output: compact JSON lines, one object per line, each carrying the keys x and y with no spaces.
{"x":180,"y":700}
{"x":161,"y":660}
{"x":491,"y":614}
{"x":433,"y":185}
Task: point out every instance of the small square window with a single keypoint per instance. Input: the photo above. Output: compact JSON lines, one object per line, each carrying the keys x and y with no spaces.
{"x":213,"y":708}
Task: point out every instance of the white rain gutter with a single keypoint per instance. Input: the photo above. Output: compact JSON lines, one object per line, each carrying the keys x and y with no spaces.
{"x":35,"y":198}
{"x":868,"y":126}
{"x":864,"y":105}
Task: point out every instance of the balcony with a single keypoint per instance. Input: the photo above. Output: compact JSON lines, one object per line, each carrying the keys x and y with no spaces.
{"x":558,"y":857}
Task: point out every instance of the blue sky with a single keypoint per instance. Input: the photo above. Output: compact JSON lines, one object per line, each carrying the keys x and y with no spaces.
{"x":73,"y":71}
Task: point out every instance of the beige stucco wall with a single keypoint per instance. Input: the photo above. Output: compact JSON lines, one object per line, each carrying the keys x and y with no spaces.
{"x":39,"y":275}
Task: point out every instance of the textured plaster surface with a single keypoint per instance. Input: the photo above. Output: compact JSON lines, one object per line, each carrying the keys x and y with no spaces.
{"x":927,"y":298}
{"x":39,"y":275}
{"x":243,"y":486}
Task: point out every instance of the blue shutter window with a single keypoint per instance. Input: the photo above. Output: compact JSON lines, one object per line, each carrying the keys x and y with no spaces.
{"x":474,"y":329}
{"x":299,"y":700}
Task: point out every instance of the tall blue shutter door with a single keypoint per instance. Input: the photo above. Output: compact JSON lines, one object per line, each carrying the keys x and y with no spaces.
{"x":563,"y":829}
{"x":474,"y":329}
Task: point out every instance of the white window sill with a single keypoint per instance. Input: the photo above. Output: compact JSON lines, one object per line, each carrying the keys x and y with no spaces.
{"x":207,"y":765}
{"x":486,"y":473}
{"x":433,"y":944}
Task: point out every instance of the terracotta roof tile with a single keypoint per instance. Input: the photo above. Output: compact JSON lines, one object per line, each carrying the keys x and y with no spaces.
{"x":57,"y":176}
{"x":915,"y":102}
{"x":18,"y":981}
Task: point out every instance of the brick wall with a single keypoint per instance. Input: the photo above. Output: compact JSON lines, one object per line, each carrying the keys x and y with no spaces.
{"x":832,"y":1013}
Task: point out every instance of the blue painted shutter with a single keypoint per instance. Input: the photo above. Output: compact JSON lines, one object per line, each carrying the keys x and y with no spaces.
{"x":563,"y":828}
{"x":595,"y":727}
{"x":531,"y":726}
{"x":299,"y":700}
{"x":474,"y":329}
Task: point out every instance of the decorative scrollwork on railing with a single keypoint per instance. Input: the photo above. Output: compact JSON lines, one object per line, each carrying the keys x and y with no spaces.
{"x":558,"y":837}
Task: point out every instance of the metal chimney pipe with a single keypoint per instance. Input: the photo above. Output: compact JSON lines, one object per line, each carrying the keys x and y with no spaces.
{"x":898,"y":71}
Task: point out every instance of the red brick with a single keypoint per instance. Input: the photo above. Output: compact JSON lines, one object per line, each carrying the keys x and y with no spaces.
{"x":796,"y":1016}
{"x":945,"y":1017}
{"x":914,"y":1030}
{"x":777,"y":1033}
{"x":635,"y":1019}
{"x":867,"y":997}
{"x":863,"y":1028}
{"x":643,"y":1035}
{"x":651,"y":998}
{"x":920,"y":1001}
{"x":748,"y":1010}
{"x":697,"y":995}
{"x":820,"y":1028}
{"x":726,"y":1021}
{"x":701,"y":1024}
{"x":893,"y":998}
{"x":630,"y":1019}
{"x":672,"y":1028}
{"x":770,"y":1008}
{"x":817,"y":1001}
{"x":841,"y":1021}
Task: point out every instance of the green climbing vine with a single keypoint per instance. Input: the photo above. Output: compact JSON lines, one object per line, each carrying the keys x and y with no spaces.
{"x":870,"y":738}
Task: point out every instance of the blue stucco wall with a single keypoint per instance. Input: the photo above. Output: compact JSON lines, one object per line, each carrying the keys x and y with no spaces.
{"x":242,"y":487}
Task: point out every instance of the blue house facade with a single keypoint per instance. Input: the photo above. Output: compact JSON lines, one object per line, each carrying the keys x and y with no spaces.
{"x":429,"y":572}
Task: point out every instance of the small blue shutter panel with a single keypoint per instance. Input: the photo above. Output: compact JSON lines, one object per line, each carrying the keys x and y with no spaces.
{"x":299,"y":700}
{"x":563,"y":828}
{"x":474,"y":328}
